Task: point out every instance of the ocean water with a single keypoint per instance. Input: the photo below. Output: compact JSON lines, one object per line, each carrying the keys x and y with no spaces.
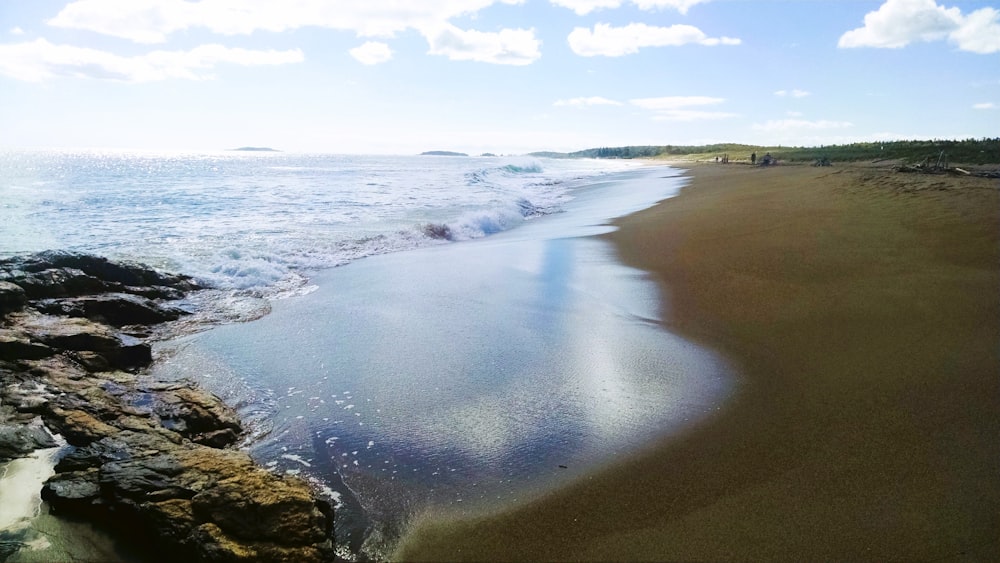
{"x":430,"y":335}
{"x":259,"y":220}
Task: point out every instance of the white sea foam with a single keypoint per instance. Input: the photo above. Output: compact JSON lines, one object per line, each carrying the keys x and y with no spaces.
{"x":20,"y":481}
{"x":296,"y":458}
{"x":262,"y":222}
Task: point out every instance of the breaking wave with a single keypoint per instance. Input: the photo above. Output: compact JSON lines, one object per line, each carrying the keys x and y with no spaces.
{"x":258,"y":225}
{"x":502,"y":173}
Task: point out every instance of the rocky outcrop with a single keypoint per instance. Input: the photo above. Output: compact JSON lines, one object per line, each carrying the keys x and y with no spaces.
{"x":12,"y":297}
{"x":152,"y":460}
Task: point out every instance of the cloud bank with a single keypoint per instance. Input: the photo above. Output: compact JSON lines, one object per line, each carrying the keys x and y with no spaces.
{"x":151,"y":21}
{"x":508,"y":46}
{"x":897,"y":23}
{"x":800,"y":124}
{"x":796,"y":93}
{"x":39,"y":59}
{"x":608,"y":41}
{"x":371,"y":53}
{"x":584,"y":7}
{"x":587,"y":101}
{"x":679,"y":108}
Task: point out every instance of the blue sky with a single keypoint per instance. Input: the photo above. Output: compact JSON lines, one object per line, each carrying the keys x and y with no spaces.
{"x":504,"y":76}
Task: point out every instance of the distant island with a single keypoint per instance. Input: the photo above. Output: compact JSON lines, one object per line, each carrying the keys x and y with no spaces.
{"x":256,"y":149}
{"x":442,"y":153}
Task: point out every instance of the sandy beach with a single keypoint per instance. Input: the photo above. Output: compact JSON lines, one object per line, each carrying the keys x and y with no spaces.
{"x":860,"y":307}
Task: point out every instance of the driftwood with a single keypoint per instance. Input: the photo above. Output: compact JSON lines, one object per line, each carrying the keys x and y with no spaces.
{"x":930,"y":165}
{"x":924,"y":169}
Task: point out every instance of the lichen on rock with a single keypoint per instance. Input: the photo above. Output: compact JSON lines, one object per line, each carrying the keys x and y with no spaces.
{"x":150,"y":460}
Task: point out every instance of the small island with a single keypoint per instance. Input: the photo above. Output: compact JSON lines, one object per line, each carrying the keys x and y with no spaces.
{"x":256,"y":149}
{"x":442,"y":153}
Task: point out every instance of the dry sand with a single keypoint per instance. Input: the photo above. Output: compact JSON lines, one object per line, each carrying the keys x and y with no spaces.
{"x":861,"y":308}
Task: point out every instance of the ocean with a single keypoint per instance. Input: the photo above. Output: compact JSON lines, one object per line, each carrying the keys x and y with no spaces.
{"x":419,"y":336}
{"x":258,"y":220}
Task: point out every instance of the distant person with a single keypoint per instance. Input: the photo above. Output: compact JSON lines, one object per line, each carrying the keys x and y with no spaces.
{"x":753,"y":158}
{"x":716,"y":160}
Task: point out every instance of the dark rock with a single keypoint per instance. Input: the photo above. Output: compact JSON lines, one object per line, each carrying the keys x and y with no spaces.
{"x":124,"y":272}
{"x":73,"y":491}
{"x":24,"y":395}
{"x":105,"y":450}
{"x":131,"y":356}
{"x":82,"y":335}
{"x":191,"y":411}
{"x":59,"y":307}
{"x":55,"y":274}
{"x":155,"y":292}
{"x":150,"y":478}
{"x":17,"y":346}
{"x":149,"y":458}
{"x":213,"y":545}
{"x":59,"y":282}
{"x":115,"y":309}
{"x":213,"y":504}
{"x":12,"y":298}
{"x":259,"y":507}
{"x":19,"y":440}
{"x":217,"y":438}
{"x":90,"y":361}
{"x":173,"y":519}
{"x":74,"y":334}
{"x":79,"y":427}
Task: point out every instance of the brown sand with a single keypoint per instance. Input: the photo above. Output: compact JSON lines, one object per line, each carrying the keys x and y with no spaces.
{"x":861,"y":308}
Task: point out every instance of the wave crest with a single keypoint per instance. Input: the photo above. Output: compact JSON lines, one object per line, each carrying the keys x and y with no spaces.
{"x":497,"y":174}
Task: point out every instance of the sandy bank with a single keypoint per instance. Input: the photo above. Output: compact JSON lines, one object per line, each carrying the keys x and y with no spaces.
{"x":861,"y":307}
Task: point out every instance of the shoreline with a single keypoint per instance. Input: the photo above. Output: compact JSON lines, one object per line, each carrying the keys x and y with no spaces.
{"x":859,"y":308}
{"x":485,"y":358}
{"x":150,"y":462}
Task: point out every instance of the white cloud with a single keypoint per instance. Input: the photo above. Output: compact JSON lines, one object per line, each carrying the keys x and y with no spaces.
{"x":39,"y":60}
{"x":372,"y":53}
{"x":507,"y":46}
{"x":984,"y":105}
{"x":584,"y":102}
{"x":674,"y":102}
{"x":16,"y":31}
{"x":979,"y":33}
{"x":897,"y":23}
{"x":793,"y":113}
{"x":617,"y":41}
{"x":793,"y":93}
{"x":584,"y":7}
{"x":691,"y":115}
{"x":151,"y":21}
{"x":681,"y":6}
{"x":800,"y":124}
{"x":677,"y":108}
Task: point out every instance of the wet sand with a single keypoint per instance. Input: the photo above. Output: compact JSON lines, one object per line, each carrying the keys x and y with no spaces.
{"x":860,"y":307}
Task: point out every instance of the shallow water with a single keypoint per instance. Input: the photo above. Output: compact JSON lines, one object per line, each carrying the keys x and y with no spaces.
{"x":464,"y":376}
{"x":28,"y":533}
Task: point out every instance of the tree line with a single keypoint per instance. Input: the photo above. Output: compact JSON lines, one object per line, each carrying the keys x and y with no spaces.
{"x":971,"y":151}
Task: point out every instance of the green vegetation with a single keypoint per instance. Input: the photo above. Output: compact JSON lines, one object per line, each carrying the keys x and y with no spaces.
{"x":970,"y":151}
